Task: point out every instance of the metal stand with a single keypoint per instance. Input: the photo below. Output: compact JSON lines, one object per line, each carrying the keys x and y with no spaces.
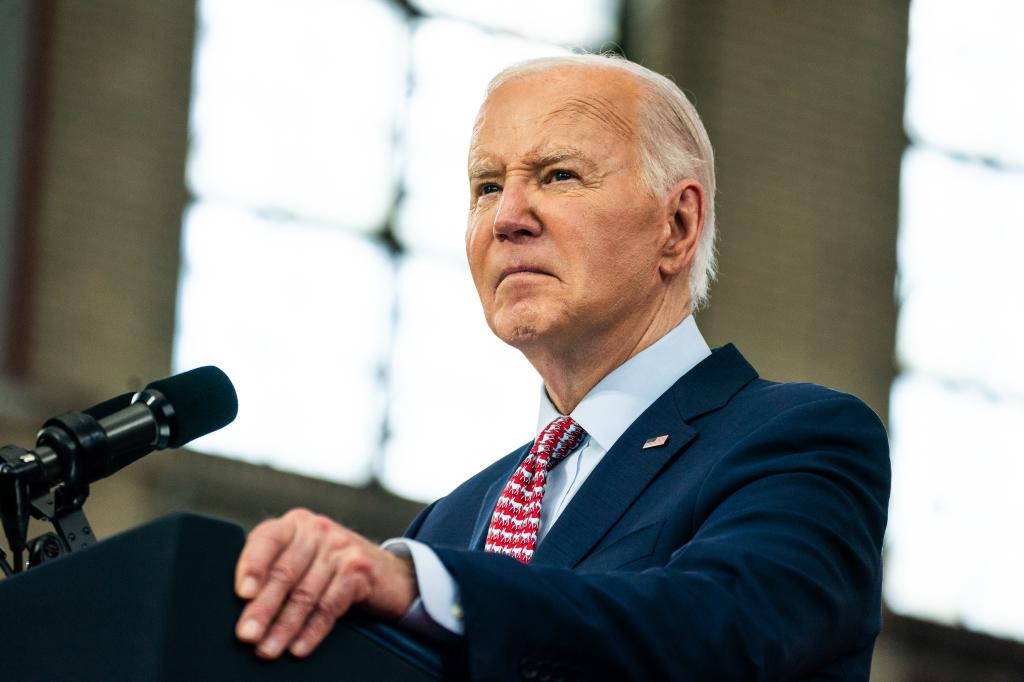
{"x":25,"y":493}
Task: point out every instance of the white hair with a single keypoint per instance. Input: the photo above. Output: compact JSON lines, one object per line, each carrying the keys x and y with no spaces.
{"x":673,"y":145}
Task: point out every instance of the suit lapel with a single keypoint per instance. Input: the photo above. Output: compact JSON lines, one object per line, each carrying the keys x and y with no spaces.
{"x":614,"y":484}
{"x":712,"y":383}
{"x":627,"y":469}
{"x":491,"y":499}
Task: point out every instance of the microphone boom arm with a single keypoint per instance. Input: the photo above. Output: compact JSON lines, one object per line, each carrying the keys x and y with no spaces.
{"x":25,"y":493}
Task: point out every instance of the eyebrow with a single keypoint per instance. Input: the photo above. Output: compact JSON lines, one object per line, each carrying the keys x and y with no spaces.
{"x":483,"y":169}
{"x":560,"y":155}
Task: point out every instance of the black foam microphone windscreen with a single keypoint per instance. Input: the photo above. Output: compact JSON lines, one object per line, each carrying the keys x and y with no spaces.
{"x":204,"y":400}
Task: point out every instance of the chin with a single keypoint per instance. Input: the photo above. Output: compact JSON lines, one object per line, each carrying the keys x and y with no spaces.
{"x":522,"y":334}
{"x":515,"y":333}
{"x":525,"y":328}
{"x":523,"y":320}
{"x":516,"y":324}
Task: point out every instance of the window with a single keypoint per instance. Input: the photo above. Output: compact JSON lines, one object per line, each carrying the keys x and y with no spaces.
{"x":953,"y":550}
{"x":323,"y":265}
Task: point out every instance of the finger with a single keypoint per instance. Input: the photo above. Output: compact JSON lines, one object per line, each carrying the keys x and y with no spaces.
{"x":317,"y":628}
{"x":342,"y":592}
{"x":289,"y":568}
{"x":264,"y":544}
{"x":302,"y":601}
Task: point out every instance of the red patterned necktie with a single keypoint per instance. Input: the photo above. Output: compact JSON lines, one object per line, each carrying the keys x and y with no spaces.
{"x":513,"y":529}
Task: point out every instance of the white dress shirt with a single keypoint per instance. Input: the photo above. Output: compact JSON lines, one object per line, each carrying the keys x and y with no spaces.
{"x":604,"y":413}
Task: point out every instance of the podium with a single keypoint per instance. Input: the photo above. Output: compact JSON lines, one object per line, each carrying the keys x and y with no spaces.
{"x":157,"y":603}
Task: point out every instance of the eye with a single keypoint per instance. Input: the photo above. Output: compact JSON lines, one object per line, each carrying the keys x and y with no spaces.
{"x":561,"y":175}
{"x":488,"y":188}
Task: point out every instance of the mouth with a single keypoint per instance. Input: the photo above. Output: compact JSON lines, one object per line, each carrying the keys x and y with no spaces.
{"x":521,"y":270}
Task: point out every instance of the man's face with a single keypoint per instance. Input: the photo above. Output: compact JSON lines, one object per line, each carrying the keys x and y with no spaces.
{"x":563,"y":238}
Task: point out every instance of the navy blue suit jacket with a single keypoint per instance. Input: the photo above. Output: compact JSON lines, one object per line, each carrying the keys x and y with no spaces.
{"x":746,"y":548}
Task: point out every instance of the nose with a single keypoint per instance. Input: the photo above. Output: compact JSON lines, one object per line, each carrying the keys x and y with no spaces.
{"x":516,"y":218}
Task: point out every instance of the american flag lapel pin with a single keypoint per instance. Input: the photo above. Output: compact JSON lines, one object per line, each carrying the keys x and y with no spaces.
{"x":656,"y":442}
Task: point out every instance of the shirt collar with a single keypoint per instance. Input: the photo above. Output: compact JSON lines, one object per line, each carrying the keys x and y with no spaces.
{"x":622,"y":396}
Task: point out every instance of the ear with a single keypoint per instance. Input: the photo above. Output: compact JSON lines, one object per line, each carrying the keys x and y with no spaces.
{"x":685,"y":210}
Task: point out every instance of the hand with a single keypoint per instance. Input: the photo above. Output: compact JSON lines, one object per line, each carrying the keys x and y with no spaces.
{"x":302,"y":572}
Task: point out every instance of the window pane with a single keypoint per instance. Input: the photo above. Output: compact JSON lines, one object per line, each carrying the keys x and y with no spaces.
{"x":964,"y":71}
{"x":453,"y":63}
{"x":958,"y":404}
{"x":955,"y":507}
{"x":302,"y":121}
{"x":961,"y":285}
{"x":582,"y":23}
{"x":299,"y":316}
{"x":460,"y":398}
{"x":296,"y":105}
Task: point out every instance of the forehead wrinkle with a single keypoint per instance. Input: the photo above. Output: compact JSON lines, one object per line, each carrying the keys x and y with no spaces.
{"x":536,"y":158}
{"x":596,"y":108}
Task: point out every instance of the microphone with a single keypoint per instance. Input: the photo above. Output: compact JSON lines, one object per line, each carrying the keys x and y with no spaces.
{"x":79,"y":448}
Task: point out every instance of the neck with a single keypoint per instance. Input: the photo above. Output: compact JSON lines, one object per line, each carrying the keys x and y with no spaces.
{"x":570,"y":370}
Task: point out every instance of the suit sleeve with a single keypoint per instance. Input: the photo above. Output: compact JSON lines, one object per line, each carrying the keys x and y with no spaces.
{"x":780,"y":576}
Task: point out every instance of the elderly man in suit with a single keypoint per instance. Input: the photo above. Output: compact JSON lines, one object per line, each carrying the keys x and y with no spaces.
{"x":676,"y":517}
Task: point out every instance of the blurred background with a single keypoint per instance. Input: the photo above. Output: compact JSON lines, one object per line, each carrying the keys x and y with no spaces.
{"x":279,"y":189}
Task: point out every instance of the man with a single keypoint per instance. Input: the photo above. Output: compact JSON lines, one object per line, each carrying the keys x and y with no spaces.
{"x":701,"y":524}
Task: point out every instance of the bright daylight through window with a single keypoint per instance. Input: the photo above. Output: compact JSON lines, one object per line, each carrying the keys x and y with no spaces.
{"x":327,"y":172}
{"x":953,"y":552}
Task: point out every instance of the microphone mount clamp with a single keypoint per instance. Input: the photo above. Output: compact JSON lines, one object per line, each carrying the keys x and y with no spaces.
{"x":27,"y":491}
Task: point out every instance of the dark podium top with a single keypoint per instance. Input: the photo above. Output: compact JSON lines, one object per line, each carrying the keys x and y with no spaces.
{"x":156,"y":603}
